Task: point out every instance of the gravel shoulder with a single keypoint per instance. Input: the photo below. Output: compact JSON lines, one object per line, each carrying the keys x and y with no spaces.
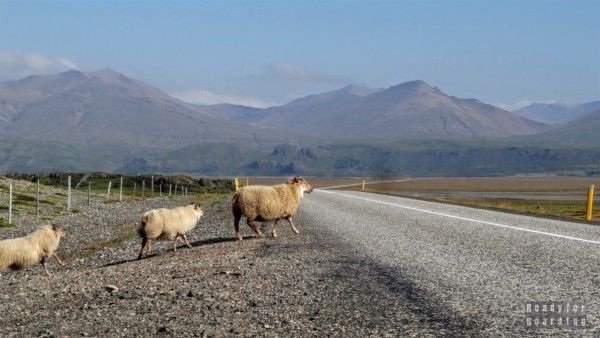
{"x":295,"y":285}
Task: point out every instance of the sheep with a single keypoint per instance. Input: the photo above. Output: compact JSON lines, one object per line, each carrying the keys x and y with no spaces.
{"x":23,"y":252}
{"x":169,"y":224}
{"x":268,"y":204}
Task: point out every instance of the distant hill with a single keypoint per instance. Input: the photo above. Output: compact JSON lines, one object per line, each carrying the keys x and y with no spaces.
{"x":556,"y":113}
{"x":411,"y":110}
{"x":582,"y":131}
{"x":107,"y":107}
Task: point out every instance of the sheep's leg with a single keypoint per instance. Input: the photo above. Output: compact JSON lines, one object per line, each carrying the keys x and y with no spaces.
{"x":58,"y":259}
{"x":175,"y":243}
{"x":186,"y":241}
{"x":254,"y":227}
{"x":144,"y":246}
{"x":289,"y":219}
{"x":45,"y":266}
{"x":274,"y":228}
{"x":149,"y":246}
{"x":236,"y":223}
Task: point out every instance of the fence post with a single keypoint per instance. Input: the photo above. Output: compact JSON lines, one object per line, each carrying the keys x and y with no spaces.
{"x":134,"y":188}
{"x":89,"y":191}
{"x":160,"y":189}
{"x":152,"y":186}
{"x":590,"y":203}
{"x":37,"y":200}
{"x":10,"y":204}
{"x":170,"y":184}
{"x":175,"y":189}
{"x":69,"y":193}
{"x":121,"y":190}
{"x":247,"y":181}
{"x":108,"y":191}
{"x":143,"y":188}
{"x":363,"y":185}
{"x":237,"y":184}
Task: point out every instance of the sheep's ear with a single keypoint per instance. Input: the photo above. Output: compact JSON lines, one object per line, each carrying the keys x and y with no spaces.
{"x":196,"y":206}
{"x":290,"y":180}
{"x":57,"y":227}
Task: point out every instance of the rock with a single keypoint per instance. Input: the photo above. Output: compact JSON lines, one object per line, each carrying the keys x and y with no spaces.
{"x":111,"y":288}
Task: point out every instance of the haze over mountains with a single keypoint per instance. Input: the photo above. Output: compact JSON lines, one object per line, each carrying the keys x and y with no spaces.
{"x":104,"y":120}
{"x":557,"y":113}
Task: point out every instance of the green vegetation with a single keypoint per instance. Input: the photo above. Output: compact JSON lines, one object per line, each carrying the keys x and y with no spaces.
{"x":548,"y":193}
{"x":4,"y":223}
{"x":99,"y":183}
{"x":574,"y":210}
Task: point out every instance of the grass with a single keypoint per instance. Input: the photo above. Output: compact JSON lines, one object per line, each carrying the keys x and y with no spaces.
{"x":211,"y":199}
{"x":315,"y":182}
{"x":486,"y":184}
{"x":563,"y":209}
{"x":4,"y":223}
{"x":434,"y":189}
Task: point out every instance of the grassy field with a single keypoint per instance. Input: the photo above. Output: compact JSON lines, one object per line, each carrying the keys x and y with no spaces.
{"x":53,"y":191}
{"x":315,"y":182}
{"x":540,"y":196}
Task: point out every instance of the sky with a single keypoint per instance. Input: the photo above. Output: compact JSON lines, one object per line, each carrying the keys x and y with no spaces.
{"x":262,"y":53}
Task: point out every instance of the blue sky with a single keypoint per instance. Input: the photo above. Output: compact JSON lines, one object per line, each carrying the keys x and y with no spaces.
{"x":263,"y":52}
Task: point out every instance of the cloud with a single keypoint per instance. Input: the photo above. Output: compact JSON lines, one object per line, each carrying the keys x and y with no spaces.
{"x":202,"y":96}
{"x":18,"y":65}
{"x":284,"y":71}
{"x":522,"y":103}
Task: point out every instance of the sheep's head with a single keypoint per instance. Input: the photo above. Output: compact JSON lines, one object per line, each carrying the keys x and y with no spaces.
{"x":198,"y":210}
{"x":59,"y":230}
{"x":301,"y":183}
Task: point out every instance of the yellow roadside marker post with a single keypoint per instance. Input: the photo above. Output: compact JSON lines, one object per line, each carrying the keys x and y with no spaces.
{"x":363,"y":185}
{"x":590,"y":203}
{"x":237,"y":184}
{"x":247,"y":182}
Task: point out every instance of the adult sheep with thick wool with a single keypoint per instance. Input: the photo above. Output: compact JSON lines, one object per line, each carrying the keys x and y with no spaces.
{"x":268,"y":204}
{"x":163,"y":224}
{"x":37,"y":247}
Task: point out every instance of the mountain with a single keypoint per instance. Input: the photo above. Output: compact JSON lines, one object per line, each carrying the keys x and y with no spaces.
{"x":106,"y":107}
{"x":582,"y":131}
{"x":556,"y":113}
{"x":411,"y":110}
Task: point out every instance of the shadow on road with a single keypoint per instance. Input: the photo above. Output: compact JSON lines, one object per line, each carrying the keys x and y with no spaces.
{"x":195,"y":244}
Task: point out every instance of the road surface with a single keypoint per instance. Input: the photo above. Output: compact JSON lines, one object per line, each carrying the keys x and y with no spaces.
{"x":463,"y":268}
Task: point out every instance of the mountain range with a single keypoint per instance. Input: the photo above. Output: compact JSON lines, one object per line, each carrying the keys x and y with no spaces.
{"x":411,"y":110}
{"x":104,"y":120}
{"x":106,"y":107}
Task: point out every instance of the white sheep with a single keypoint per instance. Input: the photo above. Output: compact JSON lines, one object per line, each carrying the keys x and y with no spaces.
{"x":162,"y":224}
{"x":268,"y":204}
{"x":23,"y":252}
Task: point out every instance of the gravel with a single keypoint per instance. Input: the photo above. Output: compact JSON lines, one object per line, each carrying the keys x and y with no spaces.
{"x":354,"y":270}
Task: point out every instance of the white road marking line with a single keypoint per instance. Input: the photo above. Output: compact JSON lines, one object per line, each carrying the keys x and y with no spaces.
{"x":461,"y":218}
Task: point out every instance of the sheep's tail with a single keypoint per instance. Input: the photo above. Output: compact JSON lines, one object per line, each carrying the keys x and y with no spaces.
{"x":142,"y":229}
{"x":235,"y":206}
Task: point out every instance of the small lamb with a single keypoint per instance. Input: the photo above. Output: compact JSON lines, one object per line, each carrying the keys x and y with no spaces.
{"x":162,"y":224}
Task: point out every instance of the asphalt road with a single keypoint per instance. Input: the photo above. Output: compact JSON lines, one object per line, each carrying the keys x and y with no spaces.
{"x":464,"y":268}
